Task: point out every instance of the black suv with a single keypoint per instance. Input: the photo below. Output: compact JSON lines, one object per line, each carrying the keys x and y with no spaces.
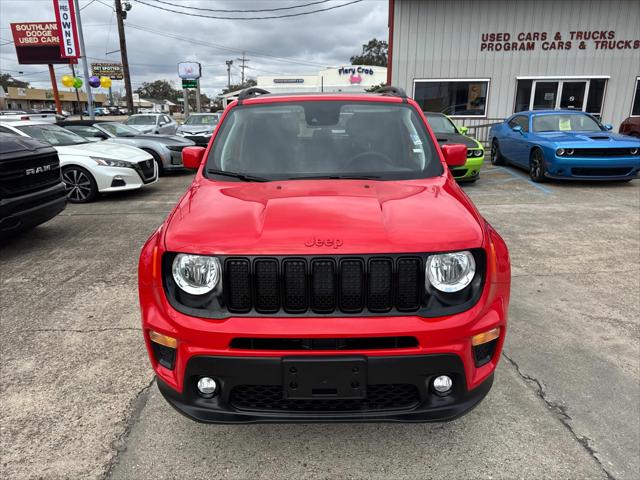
{"x":31,"y":188}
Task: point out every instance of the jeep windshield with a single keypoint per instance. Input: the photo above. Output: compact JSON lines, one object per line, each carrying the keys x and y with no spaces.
{"x":324,"y":140}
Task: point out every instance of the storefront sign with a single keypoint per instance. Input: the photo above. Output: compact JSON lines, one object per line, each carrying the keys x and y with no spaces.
{"x":35,"y":34}
{"x":546,"y":41}
{"x":288,"y":80}
{"x":189,"y":70}
{"x":67,"y":30}
{"x":355,"y":70}
{"x":111,"y":70}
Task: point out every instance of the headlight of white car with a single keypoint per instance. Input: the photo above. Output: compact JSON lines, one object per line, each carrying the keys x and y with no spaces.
{"x":196,"y":274}
{"x":450,"y":272}
{"x":107,"y":162}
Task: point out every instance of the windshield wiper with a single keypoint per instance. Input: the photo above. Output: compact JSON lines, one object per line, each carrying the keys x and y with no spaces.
{"x":241,"y":176}
{"x":336,"y":177}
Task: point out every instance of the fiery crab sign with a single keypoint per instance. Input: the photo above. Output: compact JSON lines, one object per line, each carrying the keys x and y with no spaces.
{"x":67,"y":29}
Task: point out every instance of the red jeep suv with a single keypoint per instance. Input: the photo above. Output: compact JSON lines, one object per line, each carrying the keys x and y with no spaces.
{"x":324,"y":266}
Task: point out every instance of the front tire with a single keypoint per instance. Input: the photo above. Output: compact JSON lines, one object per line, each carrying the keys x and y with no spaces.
{"x":496,"y":156}
{"x":536,"y":166}
{"x":80,"y":185}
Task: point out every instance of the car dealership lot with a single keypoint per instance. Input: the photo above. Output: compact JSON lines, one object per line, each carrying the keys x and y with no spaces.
{"x":77,"y":397}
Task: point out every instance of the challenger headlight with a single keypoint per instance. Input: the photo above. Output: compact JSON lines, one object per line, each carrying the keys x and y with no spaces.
{"x":634,"y":151}
{"x":560,"y":152}
{"x":107,"y":162}
{"x":451,"y":272}
{"x":196,"y":274}
{"x":478,"y":153}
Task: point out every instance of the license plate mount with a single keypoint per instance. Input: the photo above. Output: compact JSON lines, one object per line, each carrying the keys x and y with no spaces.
{"x":313,"y":378}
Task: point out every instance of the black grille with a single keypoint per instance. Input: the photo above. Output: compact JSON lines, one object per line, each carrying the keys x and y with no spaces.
{"x":323,"y":285}
{"x":146,"y":170}
{"x":601,"y":152}
{"x":601,"y":172}
{"x":352,"y":343}
{"x":271,"y":398}
{"x":28,"y":174}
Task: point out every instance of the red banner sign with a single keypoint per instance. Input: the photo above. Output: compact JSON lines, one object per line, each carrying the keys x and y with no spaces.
{"x":68,"y":31}
{"x":35,"y":34}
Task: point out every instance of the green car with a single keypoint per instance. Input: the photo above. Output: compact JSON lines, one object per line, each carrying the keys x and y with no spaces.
{"x":447,"y":132}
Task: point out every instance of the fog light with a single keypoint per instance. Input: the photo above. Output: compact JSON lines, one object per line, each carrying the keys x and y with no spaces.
{"x":442,"y":384}
{"x":207,"y":387}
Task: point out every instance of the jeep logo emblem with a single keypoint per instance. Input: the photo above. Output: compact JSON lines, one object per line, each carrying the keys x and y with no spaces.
{"x":34,"y":171}
{"x":323,"y":242}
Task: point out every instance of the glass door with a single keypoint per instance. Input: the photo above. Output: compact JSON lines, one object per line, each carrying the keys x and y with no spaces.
{"x":545,"y":95}
{"x":573,"y":94}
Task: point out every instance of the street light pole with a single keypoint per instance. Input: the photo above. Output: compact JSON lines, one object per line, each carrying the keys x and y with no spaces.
{"x":85,"y":65}
{"x":229,"y":63}
{"x":124,"y":57}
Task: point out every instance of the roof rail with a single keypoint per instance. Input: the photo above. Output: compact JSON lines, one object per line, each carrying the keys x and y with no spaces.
{"x":392,"y":91}
{"x":251,"y":92}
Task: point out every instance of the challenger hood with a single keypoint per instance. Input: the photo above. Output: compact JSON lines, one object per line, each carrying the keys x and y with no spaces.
{"x":113,"y":151}
{"x":591,"y":139}
{"x":449,"y":138}
{"x":323,"y":217}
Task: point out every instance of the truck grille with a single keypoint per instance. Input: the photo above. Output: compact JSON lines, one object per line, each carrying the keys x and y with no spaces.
{"x":602,"y":152}
{"x":324,"y":285}
{"x":28,"y":174}
{"x":271,"y":398}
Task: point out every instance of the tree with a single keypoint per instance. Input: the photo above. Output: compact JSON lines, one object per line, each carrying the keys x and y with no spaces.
{"x":7,"y":80}
{"x":373,"y":53}
{"x":249,"y":82}
{"x":160,"y":90}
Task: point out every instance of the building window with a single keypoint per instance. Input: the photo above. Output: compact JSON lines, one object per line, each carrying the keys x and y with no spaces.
{"x":584,"y":94}
{"x":461,"y":98}
{"x":635,"y":109}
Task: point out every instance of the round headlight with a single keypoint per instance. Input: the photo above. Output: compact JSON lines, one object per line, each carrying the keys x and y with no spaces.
{"x":569,"y":151}
{"x":196,"y":274}
{"x":634,"y":151}
{"x":478,"y":153}
{"x":451,"y":272}
{"x":560,"y":152}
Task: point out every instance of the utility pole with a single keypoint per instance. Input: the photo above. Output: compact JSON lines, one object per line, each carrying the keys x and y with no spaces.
{"x":198,"y":109}
{"x":243,"y":60}
{"x":121,"y":15}
{"x":229,"y":63}
{"x":85,"y":65}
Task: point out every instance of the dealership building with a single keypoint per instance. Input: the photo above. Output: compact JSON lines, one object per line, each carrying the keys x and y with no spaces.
{"x":482,"y":60}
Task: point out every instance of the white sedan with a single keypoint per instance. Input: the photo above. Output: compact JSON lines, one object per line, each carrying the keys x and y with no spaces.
{"x":90,"y":168}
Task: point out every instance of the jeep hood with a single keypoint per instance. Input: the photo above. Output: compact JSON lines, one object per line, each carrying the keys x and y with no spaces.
{"x":298,"y":217}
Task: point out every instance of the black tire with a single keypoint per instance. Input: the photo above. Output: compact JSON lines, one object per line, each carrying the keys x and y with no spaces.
{"x":80,"y":185}
{"x":496,"y":156}
{"x":536,"y":166}
{"x":157,"y":159}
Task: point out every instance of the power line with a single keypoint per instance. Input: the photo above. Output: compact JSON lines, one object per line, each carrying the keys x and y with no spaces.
{"x":248,"y":18}
{"x":244,"y":11}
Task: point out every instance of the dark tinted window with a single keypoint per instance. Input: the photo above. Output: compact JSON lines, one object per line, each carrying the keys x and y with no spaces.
{"x":464,"y":98}
{"x":523,"y":95}
{"x":520,"y":120}
{"x":635,"y":110}
{"x":596,"y":95}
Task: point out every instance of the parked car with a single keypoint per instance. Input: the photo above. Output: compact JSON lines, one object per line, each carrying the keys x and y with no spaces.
{"x":88,"y":168}
{"x":564,"y":144}
{"x":630,"y":126}
{"x":31,"y":188}
{"x":199,"y":127}
{"x":446,"y":133}
{"x":166,"y":150}
{"x":157,"y":123}
{"x":13,"y":115}
{"x":324,"y":266}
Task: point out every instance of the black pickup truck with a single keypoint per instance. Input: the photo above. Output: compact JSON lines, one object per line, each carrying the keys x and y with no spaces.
{"x":31,"y":188}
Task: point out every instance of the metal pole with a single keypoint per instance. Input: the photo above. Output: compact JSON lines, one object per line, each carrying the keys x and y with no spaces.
{"x":198,"y":109}
{"x":54,"y":84}
{"x":85,"y":65}
{"x":73,"y":74}
{"x":124,"y":57}
{"x":229,"y":63}
{"x":185,"y":94}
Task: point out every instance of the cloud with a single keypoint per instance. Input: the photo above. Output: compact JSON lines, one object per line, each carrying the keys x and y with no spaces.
{"x":157,"y":40}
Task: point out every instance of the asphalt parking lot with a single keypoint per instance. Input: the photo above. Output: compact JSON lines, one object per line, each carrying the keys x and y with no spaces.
{"x":78,"y":400}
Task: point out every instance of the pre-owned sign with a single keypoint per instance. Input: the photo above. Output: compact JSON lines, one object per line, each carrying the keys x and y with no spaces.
{"x":68,"y":32}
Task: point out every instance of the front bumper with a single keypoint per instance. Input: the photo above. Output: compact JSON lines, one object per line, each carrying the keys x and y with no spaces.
{"x":32,"y":209}
{"x":119,"y":179}
{"x":470,"y":170}
{"x":402,"y":384}
{"x":593,"y":168}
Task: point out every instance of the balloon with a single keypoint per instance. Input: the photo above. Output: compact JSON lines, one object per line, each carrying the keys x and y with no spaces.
{"x":77,"y":82}
{"x":105,"y":82}
{"x":67,"y":80}
{"x":94,"y":82}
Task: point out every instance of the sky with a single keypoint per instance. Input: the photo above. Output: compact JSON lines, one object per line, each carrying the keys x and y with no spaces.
{"x":157,"y":40}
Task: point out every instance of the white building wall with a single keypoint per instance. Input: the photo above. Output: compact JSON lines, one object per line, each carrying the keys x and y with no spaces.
{"x":442,"y":39}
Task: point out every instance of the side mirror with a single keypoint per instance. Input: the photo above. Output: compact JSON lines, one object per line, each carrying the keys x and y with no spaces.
{"x":517,"y":128}
{"x":607,"y":126}
{"x":101,"y":136}
{"x":455,"y":155}
{"x":192,"y":157}
{"x":463,"y":130}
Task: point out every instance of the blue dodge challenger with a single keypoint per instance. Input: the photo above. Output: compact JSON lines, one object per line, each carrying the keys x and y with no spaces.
{"x":564,"y":144}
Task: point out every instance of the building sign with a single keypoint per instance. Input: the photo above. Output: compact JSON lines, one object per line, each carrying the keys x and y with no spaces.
{"x":35,"y":34}
{"x":547,"y":41}
{"x":67,"y":29}
{"x":288,"y":80}
{"x":355,"y":70}
{"x":189,"y":70}
{"x":111,"y":70}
